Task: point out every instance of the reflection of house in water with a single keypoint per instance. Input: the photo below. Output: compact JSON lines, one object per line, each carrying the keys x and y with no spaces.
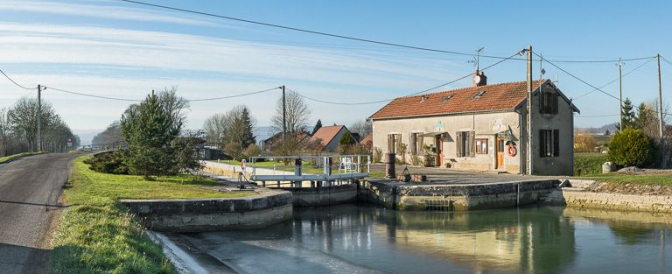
{"x":524,"y":242}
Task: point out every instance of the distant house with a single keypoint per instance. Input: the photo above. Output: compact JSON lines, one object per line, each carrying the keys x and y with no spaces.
{"x":267,"y":145}
{"x":482,"y":127}
{"x":367,"y":140}
{"x":329,"y":137}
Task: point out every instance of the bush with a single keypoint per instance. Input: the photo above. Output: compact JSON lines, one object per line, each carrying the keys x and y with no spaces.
{"x":377,"y":155}
{"x":252,"y":151}
{"x":632,"y":147}
{"x":108,"y":162}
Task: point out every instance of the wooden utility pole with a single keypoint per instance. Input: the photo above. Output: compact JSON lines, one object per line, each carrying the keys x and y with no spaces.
{"x":620,"y":94}
{"x":660,"y":101}
{"x":529,"y":111}
{"x":284,"y":119}
{"x":39,"y":118}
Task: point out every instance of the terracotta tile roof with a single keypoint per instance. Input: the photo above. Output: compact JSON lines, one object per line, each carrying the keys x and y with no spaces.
{"x":326,"y":134}
{"x":505,"y":96}
{"x":365,"y":140}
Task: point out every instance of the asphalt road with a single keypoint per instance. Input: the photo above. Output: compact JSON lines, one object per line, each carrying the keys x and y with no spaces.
{"x":29,"y":192}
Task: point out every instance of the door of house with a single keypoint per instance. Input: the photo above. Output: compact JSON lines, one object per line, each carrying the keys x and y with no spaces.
{"x":500,"y":152}
{"x":439,"y":151}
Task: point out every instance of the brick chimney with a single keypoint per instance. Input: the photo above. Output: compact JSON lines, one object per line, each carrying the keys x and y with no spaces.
{"x":480,"y":79}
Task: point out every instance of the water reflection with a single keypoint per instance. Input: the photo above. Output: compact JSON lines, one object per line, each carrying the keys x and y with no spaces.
{"x":366,"y":239}
{"x":502,"y":241}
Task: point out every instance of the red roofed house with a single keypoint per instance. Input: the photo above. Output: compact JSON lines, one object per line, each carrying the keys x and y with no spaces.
{"x":330,"y":136}
{"x":482,"y":127}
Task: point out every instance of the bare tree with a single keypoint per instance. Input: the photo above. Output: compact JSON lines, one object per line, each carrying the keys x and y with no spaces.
{"x":5,"y":132}
{"x":297,"y":113}
{"x":363,"y":128}
{"x":214,"y":128}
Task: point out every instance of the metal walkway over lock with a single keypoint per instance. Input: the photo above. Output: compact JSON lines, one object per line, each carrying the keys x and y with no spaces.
{"x":321,"y":170}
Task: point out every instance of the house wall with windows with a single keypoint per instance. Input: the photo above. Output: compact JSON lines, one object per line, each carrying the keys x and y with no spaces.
{"x":484,"y":127}
{"x":553,"y":133}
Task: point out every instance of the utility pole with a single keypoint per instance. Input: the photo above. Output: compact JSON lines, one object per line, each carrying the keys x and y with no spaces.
{"x":39,"y":117}
{"x":620,"y":94}
{"x":284,"y":118}
{"x":660,"y":101}
{"x":529,"y":110}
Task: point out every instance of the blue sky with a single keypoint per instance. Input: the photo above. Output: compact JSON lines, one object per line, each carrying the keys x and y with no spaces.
{"x":117,"y":49}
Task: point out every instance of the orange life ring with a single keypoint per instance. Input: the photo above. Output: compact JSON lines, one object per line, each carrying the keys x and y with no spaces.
{"x":512,"y":151}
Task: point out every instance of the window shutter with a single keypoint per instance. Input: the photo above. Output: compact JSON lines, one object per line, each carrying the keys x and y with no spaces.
{"x":556,"y":143}
{"x":459,"y":144}
{"x":421,"y":151}
{"x":542,"y":143}
{"x":472,"y":144}
{"x":555,"y":103}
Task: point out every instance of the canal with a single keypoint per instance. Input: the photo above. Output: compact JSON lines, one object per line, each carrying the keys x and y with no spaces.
{"x":370,"y":239}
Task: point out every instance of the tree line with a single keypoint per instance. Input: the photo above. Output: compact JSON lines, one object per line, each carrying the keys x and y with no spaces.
{"x":18,"y":129}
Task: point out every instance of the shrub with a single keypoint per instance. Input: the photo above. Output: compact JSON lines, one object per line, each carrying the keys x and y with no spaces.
{"x":252,"y":151}
{"x":415,"y":160}
{"x":588,"y":163}
{"x":584,"y":142}
{"x":632,"y":147}
{"x":377,"y":155}
{"x":108,"y":162}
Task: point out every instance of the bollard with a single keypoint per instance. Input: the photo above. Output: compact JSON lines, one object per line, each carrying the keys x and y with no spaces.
{"x":297,"y":171}
{"x":390,"y":159}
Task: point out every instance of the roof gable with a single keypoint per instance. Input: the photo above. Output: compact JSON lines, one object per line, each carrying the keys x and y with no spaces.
{"x":327,"y":133}
{"x":498,"y":97}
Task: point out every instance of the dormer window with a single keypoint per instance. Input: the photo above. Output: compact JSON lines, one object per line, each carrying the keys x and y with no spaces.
{"x":479,"y":94}
{"x":549,"y":103}
{"x":424,"y":98}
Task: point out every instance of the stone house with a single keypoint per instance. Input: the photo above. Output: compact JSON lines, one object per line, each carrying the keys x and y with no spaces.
{"x":482,"y":127}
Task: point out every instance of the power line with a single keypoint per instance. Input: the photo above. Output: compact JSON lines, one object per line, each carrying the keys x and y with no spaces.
{"x":92,"y":95}
{"x":412,"y":94}
{"x":15,"y":83}
{"x":612,"y":81}
{"x":579,"y":79}
{"x":351,"y":37}
{"x":233,"y":96}
{"x":666,"y":60}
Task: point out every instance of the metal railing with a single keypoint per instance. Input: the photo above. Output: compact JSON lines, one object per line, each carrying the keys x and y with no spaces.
{"x":319,"y":168}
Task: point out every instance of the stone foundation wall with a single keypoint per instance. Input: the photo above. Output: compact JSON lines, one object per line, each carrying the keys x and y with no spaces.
{"x":199,"y":215}
{"x":580,"y":198}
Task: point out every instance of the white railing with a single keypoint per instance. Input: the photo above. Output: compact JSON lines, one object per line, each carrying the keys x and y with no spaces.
{"x":321,"y":168}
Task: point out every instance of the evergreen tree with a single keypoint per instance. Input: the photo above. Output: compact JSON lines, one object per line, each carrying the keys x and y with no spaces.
{"x":318,"y":125}
{"x":248,"y":134}
{"x":628,"y":114}
{"x":149,"y":132}
{"x":645,"y":116}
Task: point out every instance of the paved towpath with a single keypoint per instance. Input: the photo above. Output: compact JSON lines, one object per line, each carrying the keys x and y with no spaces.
{"x":29,"y":192}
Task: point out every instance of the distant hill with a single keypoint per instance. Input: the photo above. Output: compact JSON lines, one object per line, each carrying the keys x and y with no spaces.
{"x":599,"y":130}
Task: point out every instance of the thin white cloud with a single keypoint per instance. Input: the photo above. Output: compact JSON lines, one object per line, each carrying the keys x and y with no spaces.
{"x":100,"y":10}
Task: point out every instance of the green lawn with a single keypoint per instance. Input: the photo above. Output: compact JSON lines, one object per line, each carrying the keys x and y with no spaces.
{"x":586,"y":164}
{"x":16,"y":156}
{"x":97,"y":235}
{"x":645,"y":179}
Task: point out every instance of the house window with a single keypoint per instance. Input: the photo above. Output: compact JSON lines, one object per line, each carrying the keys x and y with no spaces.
{"x":465,"y":144}
{"x":393,"y":140}
{"x":549,"y":103}
{"x":481,"y":146}
{"x":416,"y":143}
{"x":549,"y":143}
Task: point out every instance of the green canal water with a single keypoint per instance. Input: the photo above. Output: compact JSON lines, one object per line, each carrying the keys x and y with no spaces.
{"x":368,"y":239}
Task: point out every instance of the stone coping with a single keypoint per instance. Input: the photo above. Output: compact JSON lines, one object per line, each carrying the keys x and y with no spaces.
{"x":264,"y":200}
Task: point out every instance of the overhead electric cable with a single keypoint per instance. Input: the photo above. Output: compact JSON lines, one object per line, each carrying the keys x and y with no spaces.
{"x":412,"y":94}
{"x":351,"y":37}
{"x":613,"y":81}
{"x":15,"y":83}
{"x":579,"y":79}
{"x":233,"y":96}
{"x":92,"y":95}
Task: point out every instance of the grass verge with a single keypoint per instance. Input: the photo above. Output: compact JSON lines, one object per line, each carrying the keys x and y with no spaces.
{"x":588,"y":163}
{"x":97,"y":234}
{"x":16,"y":156}
{"x":660,"y":179}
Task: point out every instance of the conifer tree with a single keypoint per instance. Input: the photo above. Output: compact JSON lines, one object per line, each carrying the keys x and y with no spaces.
{"x":149,"y":132}
{"x":248,"y":125}
{"x":318,"y":125}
